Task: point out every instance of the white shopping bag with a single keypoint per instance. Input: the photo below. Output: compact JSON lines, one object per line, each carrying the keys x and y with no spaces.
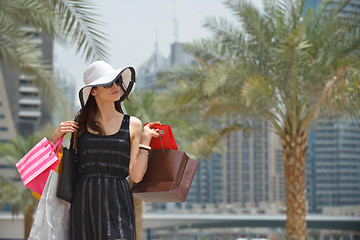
{"x":52,"y":214}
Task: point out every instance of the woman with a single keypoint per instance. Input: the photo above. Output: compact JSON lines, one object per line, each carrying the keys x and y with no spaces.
{"x":110,"y":146}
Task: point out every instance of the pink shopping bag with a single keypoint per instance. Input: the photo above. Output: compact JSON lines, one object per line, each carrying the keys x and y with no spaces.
{"x":34,"y":168}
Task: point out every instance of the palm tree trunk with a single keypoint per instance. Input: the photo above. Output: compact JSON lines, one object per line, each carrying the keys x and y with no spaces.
{"x":294,"y":152}
{"x":138,"y":217}
{"x":28,"y":220}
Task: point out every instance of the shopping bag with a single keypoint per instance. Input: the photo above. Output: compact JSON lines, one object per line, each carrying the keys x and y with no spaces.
{"x":166,"y":139}
{"x":35,"y":166}
{"x":168,"y":178}
{"x":52,"y":217}
{"x":58,"y":170}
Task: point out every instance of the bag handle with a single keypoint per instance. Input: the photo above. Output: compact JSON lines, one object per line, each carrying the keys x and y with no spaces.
{"x":74,"y":140}
{"x":73,"y":135}
{"x":162,"y":145}
{"x":57,"y":146}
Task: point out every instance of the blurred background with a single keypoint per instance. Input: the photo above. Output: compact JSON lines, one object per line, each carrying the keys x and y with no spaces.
{"x":238,"y":191}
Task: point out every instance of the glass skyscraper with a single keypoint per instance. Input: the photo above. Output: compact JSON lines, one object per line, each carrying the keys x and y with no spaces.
{"x":333,"y":165}
{"x":351,"y":9}
{"x":253,"y":168}
{"x":333,"y":161}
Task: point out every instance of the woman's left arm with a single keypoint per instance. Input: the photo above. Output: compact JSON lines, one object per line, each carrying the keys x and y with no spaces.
{"x":139,"y":157}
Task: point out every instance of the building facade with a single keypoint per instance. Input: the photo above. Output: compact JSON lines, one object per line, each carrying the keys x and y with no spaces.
{"x":333,"y":165}
{"x":207,"y":187}
{"x":7,"y":123}
{"x":150,"y":71}
{"x":333,"y":161}
{"x":351,"y":9}
{"x":253,"y":168}
{"x":28,"y":111}
{"x":22,"y":110}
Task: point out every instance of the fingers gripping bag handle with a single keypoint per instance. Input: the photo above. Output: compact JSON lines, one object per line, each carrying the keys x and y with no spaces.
{"x":166,"y":139}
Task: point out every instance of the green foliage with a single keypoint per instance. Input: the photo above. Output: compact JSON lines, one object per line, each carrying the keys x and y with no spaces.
{"x":70,"y":22}
{"x":278,"y":65}
{"x":13,"y":191}
{"x":142,"y":105}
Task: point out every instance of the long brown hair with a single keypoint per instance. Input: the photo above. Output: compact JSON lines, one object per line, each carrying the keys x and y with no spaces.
{"x":87,"y":115}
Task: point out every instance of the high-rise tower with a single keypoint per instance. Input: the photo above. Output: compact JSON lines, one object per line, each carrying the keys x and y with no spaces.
{"x":333,"y":160}
{"x":250,"y":171}
{"x":29,"y":112}
{"x":22,"y":109}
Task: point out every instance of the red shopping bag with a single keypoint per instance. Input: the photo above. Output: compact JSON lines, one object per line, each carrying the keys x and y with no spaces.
{"x":166,"y":139}
{"x":34,"y":168}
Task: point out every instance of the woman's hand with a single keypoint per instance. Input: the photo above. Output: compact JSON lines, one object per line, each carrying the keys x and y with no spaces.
{"x":149,"y":133}
{"x":63,"y":128}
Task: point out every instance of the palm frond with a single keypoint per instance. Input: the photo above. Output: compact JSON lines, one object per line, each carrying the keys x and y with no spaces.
{"x":10,"y":195}
{"x":252,"y":21}
{"x":20,"y":52}
{"x":79,"y":23}
{"x":73,"y":21}
{"x":36,"y":14}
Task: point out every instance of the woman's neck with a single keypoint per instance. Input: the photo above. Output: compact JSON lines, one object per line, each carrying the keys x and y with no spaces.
{"x":106,"y":111}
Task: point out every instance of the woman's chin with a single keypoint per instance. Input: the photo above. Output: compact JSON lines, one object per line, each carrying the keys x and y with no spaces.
{"x":116,"y":98}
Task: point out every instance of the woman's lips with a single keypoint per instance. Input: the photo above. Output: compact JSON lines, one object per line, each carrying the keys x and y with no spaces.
{"x":116,"y":92}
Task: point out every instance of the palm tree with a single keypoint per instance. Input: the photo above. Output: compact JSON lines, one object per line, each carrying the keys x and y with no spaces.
{"x":14,"y":193}
{"x":72,"y":22}
{"x":277,"y":65}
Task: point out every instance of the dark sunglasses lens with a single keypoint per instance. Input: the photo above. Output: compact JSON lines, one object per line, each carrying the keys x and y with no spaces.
{"x":117,"y":82}
{"x":108,"y":85}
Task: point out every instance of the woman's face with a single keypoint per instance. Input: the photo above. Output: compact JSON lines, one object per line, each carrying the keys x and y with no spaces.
{"x":108,"y":93}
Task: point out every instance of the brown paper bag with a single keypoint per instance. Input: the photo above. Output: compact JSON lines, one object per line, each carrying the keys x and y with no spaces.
{"x":168,"y":177}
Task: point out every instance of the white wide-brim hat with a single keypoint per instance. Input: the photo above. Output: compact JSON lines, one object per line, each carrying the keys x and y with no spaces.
{"x":100,"y":73}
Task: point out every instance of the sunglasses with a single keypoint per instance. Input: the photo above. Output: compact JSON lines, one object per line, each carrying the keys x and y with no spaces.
{"x":117,"y":82}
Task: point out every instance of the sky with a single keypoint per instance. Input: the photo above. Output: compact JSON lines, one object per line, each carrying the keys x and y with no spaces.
{"x":134,"y":26}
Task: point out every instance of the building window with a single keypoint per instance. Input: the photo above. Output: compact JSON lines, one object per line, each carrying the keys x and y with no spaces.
{"x":3,"y":128}
{"x":2,"y":116}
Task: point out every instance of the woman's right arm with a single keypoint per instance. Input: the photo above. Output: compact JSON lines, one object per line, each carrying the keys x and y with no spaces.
{"x":63,"y":128}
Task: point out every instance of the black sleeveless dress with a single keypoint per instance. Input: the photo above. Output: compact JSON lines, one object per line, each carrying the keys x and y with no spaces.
{"x":102,"y":207}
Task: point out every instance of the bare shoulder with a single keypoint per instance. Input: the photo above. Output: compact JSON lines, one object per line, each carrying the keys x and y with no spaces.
{"x":135,"y":123}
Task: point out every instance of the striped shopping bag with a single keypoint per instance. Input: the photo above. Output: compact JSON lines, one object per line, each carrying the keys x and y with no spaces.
{"x":34,"y":168}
